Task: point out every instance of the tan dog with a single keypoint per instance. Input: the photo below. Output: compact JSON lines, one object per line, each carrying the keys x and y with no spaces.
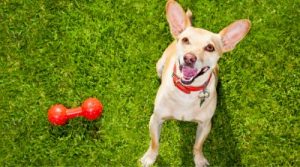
{"x":188,"y":69}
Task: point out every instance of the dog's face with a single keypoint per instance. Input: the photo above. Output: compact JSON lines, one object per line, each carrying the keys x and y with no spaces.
{"x":198,"y":49}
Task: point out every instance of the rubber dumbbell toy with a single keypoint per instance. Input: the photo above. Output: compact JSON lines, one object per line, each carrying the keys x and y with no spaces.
{"x":91,"y":109}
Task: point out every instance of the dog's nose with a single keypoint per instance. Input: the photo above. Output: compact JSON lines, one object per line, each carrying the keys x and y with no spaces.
{"x":189,"y":59}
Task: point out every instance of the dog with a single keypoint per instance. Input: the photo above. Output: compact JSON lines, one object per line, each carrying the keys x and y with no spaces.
{"x":188,"y":70}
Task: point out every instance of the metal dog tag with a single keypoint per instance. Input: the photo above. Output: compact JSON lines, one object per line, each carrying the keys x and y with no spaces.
{"x":202,"y":96}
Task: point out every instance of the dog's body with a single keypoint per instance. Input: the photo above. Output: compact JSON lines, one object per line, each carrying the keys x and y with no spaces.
{"x":188,"y":70}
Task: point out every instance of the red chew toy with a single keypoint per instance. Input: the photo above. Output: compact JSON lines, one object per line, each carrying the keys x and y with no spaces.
{"x":91,"y":109}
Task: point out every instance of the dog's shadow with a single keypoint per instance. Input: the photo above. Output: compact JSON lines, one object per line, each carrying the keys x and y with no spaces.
{"x":220,"y":148}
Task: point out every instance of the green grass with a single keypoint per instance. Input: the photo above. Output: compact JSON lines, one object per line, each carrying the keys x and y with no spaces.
{"x":66,"y":51}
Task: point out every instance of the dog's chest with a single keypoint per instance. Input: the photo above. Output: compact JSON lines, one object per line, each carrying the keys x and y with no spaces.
{"x":186,"y":114}
{"x":183,"y":108}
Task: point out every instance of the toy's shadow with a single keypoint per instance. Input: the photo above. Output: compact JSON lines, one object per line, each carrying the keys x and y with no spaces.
{"x":78,"y":127}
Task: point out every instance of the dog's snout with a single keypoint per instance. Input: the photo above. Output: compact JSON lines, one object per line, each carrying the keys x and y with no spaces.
{"x":189,"y":59}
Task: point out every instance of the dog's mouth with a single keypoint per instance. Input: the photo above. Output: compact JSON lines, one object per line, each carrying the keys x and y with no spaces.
{"x":190,"y":73}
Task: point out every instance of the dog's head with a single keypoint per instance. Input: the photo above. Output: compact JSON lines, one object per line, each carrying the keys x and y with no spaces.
{"x":197,"y":49}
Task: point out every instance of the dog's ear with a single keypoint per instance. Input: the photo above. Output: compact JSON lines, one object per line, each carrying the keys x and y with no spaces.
{"x":177,"y":18}
{"x":234,"y":33}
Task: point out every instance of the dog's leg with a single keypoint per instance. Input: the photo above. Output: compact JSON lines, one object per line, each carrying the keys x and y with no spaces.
{"x":155,"y":127}
{"x":203,"y":130}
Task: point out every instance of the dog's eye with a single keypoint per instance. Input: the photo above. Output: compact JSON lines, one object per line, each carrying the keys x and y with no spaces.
{"x":209,"y":48}
{"x":185,"y":40}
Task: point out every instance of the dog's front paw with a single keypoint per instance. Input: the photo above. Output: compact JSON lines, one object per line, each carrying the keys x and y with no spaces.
{"x":200,"y":161}
{"x":148,"y":159}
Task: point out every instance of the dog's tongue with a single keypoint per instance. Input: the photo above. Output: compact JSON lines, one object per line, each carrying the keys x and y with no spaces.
{"x":189,"y":72}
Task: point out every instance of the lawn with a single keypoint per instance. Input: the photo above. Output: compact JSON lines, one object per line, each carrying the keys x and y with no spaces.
{"x":66,"y":51}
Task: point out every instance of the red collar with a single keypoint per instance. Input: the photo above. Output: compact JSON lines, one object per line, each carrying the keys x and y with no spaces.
{"x":188,"y":89}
